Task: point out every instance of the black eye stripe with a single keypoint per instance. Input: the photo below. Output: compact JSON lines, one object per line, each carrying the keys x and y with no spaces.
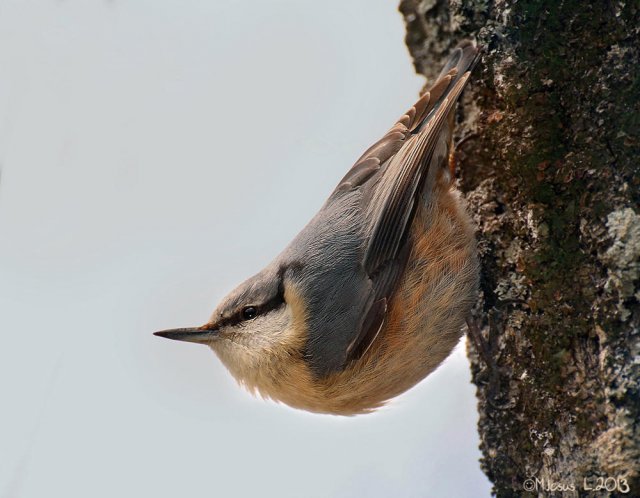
{"x":260,"y":309}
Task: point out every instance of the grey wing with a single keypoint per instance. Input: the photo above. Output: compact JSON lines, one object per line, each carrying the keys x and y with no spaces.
{"x":390,"y":175}
{"x":424,"y":146}
{"x":391,"y":209}
{"x":378,"y":155}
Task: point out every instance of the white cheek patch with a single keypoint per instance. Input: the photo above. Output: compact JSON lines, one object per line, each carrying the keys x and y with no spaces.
{"x":254,"y":342}
{"x":266,"y":331}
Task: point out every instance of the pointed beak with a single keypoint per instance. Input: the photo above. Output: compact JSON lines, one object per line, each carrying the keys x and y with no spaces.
{"x":204,"y":334}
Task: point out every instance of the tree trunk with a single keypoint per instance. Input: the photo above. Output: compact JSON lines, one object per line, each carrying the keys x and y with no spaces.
{"x":549,"y":163}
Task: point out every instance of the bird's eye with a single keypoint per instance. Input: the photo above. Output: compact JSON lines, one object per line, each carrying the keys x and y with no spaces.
{"x":249,"y":312}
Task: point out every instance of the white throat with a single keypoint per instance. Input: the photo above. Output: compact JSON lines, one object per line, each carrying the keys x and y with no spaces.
{"x":251,"y":349}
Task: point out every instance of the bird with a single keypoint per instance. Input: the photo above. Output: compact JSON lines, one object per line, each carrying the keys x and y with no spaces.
{"x":372,"y":295}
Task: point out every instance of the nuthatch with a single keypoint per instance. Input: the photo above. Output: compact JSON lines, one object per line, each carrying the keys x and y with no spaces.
{"x":371,"y":296}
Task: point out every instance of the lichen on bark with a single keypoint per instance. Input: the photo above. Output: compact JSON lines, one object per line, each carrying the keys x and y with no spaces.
{"x":549,"y":164}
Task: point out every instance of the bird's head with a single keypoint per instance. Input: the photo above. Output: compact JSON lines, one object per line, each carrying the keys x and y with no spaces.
{"x":258,"y":325}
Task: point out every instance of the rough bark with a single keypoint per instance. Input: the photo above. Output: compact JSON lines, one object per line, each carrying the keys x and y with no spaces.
{"x":550,"y":169}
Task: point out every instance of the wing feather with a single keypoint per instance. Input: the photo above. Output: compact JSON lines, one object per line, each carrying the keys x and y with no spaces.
{"x":423,"y":129}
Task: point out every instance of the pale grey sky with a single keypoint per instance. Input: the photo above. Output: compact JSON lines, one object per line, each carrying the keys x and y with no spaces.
{"x":153,"y":154}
